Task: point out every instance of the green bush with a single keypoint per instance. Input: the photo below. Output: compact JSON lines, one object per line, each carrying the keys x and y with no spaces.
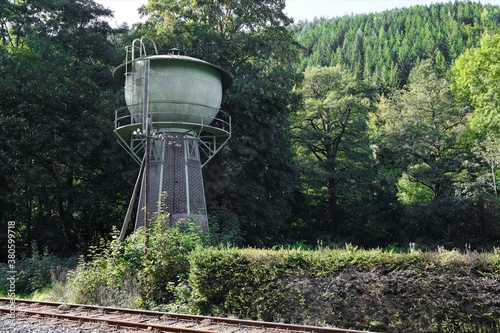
{"x":443,"y":291}
{"x":36,"y":271}
{"x":228,"y":281}
{"x":142,"y":271}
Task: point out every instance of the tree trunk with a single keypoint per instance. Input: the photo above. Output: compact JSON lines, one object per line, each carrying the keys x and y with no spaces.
{"x":332,"y":205}
{"x":480,"y":215}
{"x":67,"y":225}
{"x":29,"y":225}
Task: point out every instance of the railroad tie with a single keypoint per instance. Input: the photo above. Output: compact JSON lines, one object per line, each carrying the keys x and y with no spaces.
{"x":231,"y":330}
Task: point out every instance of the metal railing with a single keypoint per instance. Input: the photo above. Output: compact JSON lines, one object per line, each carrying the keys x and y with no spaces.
{"x":210,"y":132}
{"x":130,"y":51}
{"x":221,"y":122}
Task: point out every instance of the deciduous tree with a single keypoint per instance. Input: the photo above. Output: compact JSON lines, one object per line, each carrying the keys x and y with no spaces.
{"x":59,"y":163}
{"x":477,"y":80}
{"x":330,"y":131}
{"x":422,"y":124}
{"x":253,"y":177}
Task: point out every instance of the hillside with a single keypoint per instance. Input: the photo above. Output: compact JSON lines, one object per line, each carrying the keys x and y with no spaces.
{"x":384,"y":47}
{"x":416,"y":172}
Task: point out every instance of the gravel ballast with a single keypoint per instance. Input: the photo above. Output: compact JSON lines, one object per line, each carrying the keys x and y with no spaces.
{"x":14,"y":326}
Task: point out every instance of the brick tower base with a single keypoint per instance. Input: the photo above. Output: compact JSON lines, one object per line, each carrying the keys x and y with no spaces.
{"x":174,"y":181}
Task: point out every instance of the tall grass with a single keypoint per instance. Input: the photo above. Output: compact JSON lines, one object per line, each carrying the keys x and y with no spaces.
{"x":37,"y":271}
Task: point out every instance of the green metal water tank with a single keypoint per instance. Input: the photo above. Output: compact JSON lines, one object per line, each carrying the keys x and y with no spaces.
{"x":181,"y":90}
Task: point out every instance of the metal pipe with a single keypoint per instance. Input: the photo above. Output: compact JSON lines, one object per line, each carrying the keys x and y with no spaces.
{"x":146,"y":130}
{"x":162,"y":167}
{"x":186,"y":174}
{"x":126,"y":221}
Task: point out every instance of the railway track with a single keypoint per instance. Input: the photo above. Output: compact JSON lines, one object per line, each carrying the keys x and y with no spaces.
{"x":119,"y":318}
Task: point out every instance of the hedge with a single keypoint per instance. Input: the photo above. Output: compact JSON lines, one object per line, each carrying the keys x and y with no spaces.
{"x":443,"y":291}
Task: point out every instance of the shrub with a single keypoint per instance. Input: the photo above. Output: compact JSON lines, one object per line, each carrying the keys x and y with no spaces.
{"x":37,"y":271}
{"x":141,"y":271}
{"x":444,"y":291}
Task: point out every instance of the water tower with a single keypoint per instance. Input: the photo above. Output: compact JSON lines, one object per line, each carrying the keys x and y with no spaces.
{"x":172,"y":127}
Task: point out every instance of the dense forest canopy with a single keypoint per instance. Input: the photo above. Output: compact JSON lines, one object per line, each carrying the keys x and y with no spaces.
{"x":373,"y":129}
{"x":63,"y":179}
{"x":384,"y":47}
{"x":431,"y":162}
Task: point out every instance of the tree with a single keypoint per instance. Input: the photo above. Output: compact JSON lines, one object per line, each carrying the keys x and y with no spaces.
{"x":229,"y":33}
{"x":421,"y":124}
{"x":477,"y":78}
{"x":253,"y":177}
{"x":488,"y":152}
{"x":330,"y":130}
{"x":56,"y":145}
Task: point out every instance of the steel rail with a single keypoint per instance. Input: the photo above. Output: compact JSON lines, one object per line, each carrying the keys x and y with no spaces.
{"x":109,"y":321}
{"x":216,"y":321}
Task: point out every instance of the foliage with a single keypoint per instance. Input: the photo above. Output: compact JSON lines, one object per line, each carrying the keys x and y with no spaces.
{"x":36,"y":271}
{"x":383,"y":47}
{"x":451,"y":221}
{"x":254,"y":176}
{"x":328,"y":131}
{"x":233,"y":30}
{"x":394,"y":289}
{"x":55,"y":149}
{"x":476,"y":79}
{"x":412,"y":192}
{"x":421,"y":125}
{"x":417,"y":157}
{"x":350,"y":288}
{"x":65,"y":182}
{"x":140,"y":272}
{"x":224,"y":228}
{"x":418,"y":130}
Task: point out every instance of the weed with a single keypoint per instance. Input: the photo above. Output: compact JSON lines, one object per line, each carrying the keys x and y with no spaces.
{"x":140,"y":271}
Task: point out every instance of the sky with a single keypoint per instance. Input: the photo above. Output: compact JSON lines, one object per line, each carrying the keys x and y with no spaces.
{"x":126,"y":10}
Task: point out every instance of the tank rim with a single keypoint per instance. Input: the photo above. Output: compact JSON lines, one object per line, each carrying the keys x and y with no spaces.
{"x":119,"y":71}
